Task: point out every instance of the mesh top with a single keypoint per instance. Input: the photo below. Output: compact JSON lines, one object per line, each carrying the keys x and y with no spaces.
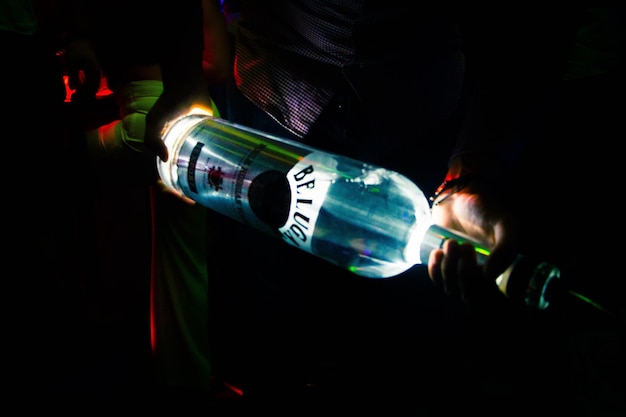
{"x":293,"y":55}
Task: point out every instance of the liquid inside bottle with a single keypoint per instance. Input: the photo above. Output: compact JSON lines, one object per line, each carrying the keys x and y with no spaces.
{"x":360,"y":217}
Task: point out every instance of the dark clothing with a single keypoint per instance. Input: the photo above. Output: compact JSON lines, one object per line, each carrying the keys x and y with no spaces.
{"x":310,"y":53}
{"x":381,"y":84}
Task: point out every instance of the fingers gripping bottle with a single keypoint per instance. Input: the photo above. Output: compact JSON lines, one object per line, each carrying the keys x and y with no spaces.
{"x":363,"y":218}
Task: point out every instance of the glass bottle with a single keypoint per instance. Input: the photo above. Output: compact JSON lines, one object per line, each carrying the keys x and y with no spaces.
{"x":367,"y":219}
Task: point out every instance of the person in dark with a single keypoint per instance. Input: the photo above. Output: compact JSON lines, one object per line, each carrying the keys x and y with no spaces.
{"x":554,"y":178}
{"x":161,"y":282}
{"x":445,"y":95}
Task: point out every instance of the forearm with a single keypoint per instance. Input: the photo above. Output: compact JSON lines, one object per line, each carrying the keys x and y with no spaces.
{"x":218,"y":55}
{"x":181,"y":37}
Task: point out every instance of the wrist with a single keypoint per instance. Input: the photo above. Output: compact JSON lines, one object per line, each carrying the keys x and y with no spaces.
{"x":460,"y":173}
{"x":450,"y":186}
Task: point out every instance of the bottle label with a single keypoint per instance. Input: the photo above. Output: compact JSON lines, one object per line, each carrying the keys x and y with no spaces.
{"x":237,"y":172}
{"x":309,"y":181}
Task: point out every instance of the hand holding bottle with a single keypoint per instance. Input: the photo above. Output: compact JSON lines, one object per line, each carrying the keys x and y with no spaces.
{"x":455,"y":269}
{"x":165,"y":189}
{"x":474,"y":209}
{"x":173,"y":103}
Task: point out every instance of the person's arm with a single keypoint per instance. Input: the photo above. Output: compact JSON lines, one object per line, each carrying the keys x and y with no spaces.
{"x":218,"y":53}
{"x":513,"y":59}
{"x":180,"y":32}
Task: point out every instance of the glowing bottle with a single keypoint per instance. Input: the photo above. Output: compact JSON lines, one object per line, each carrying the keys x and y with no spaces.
{"x":364,"y":218}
